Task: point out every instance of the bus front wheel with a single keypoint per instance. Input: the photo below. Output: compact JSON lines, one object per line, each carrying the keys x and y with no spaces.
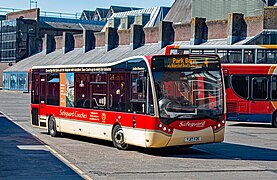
{"x":52,"y":128}
{"x":274,"y":119}
{"x":118,"y":138}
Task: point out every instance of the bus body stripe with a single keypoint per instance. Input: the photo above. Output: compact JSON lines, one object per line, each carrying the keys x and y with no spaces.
{"x":263,"y":118}
{"x":271,"y":70}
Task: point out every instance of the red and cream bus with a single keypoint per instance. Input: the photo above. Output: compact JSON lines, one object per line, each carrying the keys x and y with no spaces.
{"x":144,"y":101}
{"x":250,"y":76}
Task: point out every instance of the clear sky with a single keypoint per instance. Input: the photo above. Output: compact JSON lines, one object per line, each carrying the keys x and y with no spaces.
{"x":73,"y":6}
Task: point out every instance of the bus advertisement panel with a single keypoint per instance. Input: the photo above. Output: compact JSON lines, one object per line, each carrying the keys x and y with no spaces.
{"x":150,"y":102}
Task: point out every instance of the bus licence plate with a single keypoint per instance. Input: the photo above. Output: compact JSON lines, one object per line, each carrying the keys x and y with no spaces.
{"x":192,"y":139}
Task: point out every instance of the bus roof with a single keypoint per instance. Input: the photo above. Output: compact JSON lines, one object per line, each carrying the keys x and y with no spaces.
{"x":97,"y":64}
{"x":250,"y":68}
{"x":222,"y":46}
{"x":112,"y":63}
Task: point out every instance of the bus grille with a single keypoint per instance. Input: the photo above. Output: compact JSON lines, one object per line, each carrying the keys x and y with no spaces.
{"x":231,"y":107}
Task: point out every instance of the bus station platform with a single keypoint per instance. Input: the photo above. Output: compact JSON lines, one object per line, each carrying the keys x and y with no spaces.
{"x":25,"y":157}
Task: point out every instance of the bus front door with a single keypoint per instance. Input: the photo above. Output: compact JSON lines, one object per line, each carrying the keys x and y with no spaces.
{"x":138,"y":106}
{"x":42,"y":100}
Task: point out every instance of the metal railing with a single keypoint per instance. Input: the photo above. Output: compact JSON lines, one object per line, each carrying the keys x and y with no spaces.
{"x":60,"y":15}
{"x":4,"y":11}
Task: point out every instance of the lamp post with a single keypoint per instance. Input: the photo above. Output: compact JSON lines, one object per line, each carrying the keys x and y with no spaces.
{"x":33,"y":2}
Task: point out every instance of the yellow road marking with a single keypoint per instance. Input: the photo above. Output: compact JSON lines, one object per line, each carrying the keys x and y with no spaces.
{"x":72,"y":166}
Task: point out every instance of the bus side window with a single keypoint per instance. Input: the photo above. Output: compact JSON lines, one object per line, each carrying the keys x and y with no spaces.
{"x":240,"y":85}
{"x":138,"y":94}
{"x":117,"y":92}
{"x":274,"y":87}
{"x":53,"y":89}
{"x":98,"y":91}
{"x":259,"y":88}
{"x":82,"y":90}
{"x":223,"y":56}
{"x":235,"y":56}
{"x":249,"y":56}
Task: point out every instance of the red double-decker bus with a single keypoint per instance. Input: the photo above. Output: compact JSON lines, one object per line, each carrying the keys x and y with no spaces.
{"x":150,"y":102}
{"x":251,"y":92}
{"x":250,"y":79}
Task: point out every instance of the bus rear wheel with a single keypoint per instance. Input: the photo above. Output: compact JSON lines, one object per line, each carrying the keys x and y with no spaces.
{"x":52,"y":128}
{"x":274,"y":119}
{"x":118,"y":138}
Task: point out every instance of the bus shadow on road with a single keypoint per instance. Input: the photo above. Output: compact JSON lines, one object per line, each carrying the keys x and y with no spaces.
{"x":178,"y":152}
{"x":206,"y":151}
{"x":217,"y":151}
{"x":87,"y":139}
{"x":252,"y":125}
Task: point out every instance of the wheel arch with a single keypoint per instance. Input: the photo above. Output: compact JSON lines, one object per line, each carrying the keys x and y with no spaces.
{"x":50,"y":116}
{"x":274,"y":119}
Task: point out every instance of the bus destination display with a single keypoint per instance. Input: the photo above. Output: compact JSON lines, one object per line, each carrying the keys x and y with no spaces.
{"x":185,"y":62}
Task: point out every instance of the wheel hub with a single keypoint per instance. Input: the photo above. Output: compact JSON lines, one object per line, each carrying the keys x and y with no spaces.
{"x":51,"y":124}
{"x":119,"y":137}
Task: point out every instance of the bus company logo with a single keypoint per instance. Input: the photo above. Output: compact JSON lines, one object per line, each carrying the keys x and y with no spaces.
{"x":200,"y":124}
{"x":104,"y":116}
{"x":73,"y":114}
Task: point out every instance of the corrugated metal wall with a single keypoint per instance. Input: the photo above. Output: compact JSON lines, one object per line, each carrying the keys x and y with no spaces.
{"x":219,"y":9}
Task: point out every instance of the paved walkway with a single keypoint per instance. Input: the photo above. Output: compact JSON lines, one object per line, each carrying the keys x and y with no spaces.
{"x":24,"y":157}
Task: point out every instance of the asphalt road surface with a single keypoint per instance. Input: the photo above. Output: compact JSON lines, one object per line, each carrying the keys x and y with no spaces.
{"x":248,"y":152}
